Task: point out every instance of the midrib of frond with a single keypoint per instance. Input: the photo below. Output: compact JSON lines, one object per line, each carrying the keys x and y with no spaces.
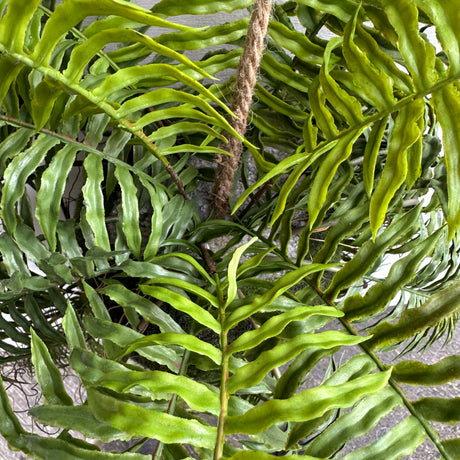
{"x":430,"y":432}
{"x":99,"y":103}
{"x":81,"y":146}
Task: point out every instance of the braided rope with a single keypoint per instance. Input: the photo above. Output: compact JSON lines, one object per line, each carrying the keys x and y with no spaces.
{"x":246,"y":78}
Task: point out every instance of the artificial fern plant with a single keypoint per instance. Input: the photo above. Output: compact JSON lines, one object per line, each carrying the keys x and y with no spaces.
{"x":209,"y":351}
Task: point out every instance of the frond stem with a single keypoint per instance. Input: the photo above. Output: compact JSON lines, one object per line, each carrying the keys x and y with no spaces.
{"x":81,"y":145}
{"x":431,"y":433}
{"x":220,"y":439}
{"x":103,"y":106}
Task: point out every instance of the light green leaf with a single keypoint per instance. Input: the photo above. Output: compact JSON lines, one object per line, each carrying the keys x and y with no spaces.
{"x":91,"y":368}
{"x":275,"y":325}
{"x":375,"y":85}
{"x":186,"y":286}
{"x":173,"y":8}
{"x":371,"y":152}
{"x":401,"y":273}
{"x":345,"y":104}
{"x":52,"y":449}
{"x":181,"y":303}
{"x":129,"y":340}
{"x":355,"y":423}
{"x":198,"y":396}
{"x":418,"y":54}
{"x":189,"y":342}
{"x":14,"y":23}
{"x":73,"y":12}
{"x":258,"y":455}
{"x":306,"y":405}
{"x":329,"y":165}
{"x":140,"y":422}
{"x":400,"y":441}
{"x":279,"y":287}
{"x":232,"y":270}
{"x":253,"y":372}
{"x":10,"y":426}
{"x":447,"y":104}
{"x":371,"y":250}
{"x":405,"y":133}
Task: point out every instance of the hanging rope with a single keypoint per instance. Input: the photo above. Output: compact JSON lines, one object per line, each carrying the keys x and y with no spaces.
{"x":246,"y":78}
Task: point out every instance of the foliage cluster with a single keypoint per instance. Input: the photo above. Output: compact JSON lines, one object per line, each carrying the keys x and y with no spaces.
{"x":208,"y":352}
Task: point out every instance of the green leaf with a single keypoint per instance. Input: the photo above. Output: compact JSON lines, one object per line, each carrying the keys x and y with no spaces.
{"x":72,"y":329}
{"x":359,"y":421}
{"x":186,"y":286}
{"x":147,"y":309}
{"x":297,"y":43}
{"x":444,"y":16}
{"x":401,"y":273}
{"x":279,"y":287}
{"x":370,"y":251}
{"x":253,"y":372}
{"x":78,"y":418}
{"x":405,"y":133}
{"x":71,"y":13}
{"x":136,"y":75}
{"x":418,"y":53}
{"x":140,"y":422}
{"x":129,"y":340}
{"x":306,"y":405}
{"x":371,"y":152}
{"x":161,"y":384}
{"x":345,"y":104}
{"x":48,"y":375}
{"x":329,"y":165}
{"x":130,"y":206}
{"x":275,"y":325}
{"x":416,"y":373}
{"x":181,"y":303}
{"x":16,"y":175}
{"x":257,"y":455}
{"x":172,"y":8}
{"x":439,"y":409}
{"x":374,"y":84}
{"x":94,"y":200}
{"x":10,"y":427}
{"x":51,"y":190}
{"x":14,"y":23}
{"x":232,"y":270}
{"x":400,"y":441}
{"x":85,"y":51}
{"x":447,"y":105}
{"x":51,"y":449}
{"x":439,"y":306}
{"x":156,"y":221}
{"x":91,"y":368}
{"x":189,"y":342}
